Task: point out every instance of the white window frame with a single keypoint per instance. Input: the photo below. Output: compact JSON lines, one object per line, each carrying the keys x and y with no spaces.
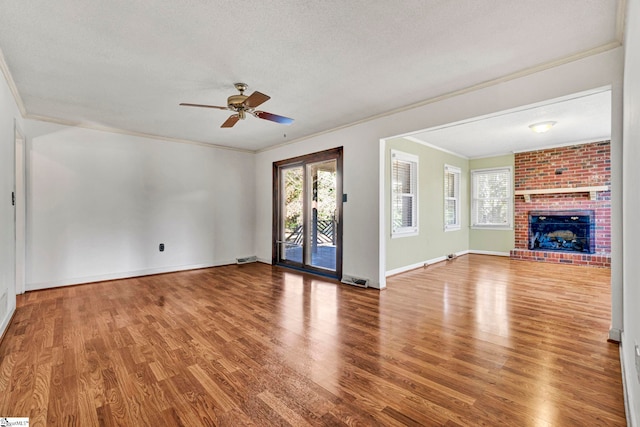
{"x":509,"y":199}
{"x":413,"y":161}
{"x":457,"y":174}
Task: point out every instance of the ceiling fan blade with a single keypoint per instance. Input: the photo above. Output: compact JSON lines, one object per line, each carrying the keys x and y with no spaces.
{"x":255,"y":99}
{"x":184,"y":104}
{"x":273,"y":117}
{"x":232,"y":120}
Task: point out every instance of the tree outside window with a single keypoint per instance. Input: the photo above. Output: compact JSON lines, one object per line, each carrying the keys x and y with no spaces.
{"x":492,"y":198}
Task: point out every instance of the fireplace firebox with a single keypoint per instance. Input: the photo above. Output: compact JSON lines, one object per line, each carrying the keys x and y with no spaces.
{"x":566,"y":231}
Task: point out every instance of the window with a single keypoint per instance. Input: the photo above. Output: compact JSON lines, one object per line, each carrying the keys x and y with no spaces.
{"x":451,"y":198}
{"x":491,"y":198}
{"x":404,"y":194}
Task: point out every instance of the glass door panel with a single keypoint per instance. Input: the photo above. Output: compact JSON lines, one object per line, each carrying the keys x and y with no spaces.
{"x":292,"y":226}
{"x":322,"y":219}
{"x":307,"y":229}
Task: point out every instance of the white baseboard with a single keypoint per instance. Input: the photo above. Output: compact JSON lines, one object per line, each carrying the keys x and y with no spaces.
{"x":474,"y":251}
{"x":412,"y":266}
{"x":264,"y":260}
{"x":420,"y":264}
{"x":122,"y":275}
{"x":376,"y":286}
{"x":615,"y":335}
{"x":5,"y":322}
{"x":628,"y":405}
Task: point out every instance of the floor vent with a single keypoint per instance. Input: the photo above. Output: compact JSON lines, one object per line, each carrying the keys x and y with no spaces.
{"x":354,"y":281}
{"x":246,"y":260}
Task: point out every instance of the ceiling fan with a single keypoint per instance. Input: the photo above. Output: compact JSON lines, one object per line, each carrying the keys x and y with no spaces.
{"x":243,"y":104}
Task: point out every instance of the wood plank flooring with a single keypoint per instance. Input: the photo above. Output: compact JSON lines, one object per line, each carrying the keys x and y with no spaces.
{"x":477,"y":341}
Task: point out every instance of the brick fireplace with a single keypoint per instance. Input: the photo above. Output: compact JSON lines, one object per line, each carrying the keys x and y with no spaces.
{"x":570,"y":183}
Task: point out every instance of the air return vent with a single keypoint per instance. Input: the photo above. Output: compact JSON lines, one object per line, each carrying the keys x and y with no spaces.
{"x":246,"y":260}
{"x":355,"y":281}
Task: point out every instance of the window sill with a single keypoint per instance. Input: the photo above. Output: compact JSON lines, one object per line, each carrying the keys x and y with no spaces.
{"x":492,"y":227}
{"x":407,"y":234}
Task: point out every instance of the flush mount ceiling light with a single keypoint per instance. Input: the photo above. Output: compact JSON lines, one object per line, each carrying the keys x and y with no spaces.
{"x":541,"y":127}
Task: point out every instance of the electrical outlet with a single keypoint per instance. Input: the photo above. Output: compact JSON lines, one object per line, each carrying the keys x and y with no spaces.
{"x":161,"y":247}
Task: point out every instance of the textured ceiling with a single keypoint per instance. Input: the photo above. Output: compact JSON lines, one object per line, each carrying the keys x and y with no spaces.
{"x":127,"y":65}
{"x":580,"y":118}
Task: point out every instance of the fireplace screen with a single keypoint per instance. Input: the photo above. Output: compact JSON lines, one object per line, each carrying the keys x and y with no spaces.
{"x":569,"y":231}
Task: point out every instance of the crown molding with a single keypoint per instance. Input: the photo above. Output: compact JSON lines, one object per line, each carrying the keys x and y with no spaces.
{"x":93,"y":126}
{"x":513,"y":76}
{"x":12,"y":84}
{"x":435,"y":147}
{"x":18,"y":100}
{"x":620,"y":20}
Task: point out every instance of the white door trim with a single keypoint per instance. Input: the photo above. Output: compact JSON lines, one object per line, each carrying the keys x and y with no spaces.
{"x":20,"y":209}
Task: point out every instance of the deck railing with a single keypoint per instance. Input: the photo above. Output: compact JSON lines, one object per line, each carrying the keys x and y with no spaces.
{"x":325,"y":233}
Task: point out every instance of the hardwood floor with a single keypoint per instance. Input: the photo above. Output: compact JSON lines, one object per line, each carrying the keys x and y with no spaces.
{"x":478,"y":341}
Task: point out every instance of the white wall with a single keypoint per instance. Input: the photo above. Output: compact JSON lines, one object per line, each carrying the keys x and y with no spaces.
{"x":364,"y":250}
{"x":631,"y":147}
{"x":360,"y":212}
{"x":8,"y":114}
{"x":100,"y":203}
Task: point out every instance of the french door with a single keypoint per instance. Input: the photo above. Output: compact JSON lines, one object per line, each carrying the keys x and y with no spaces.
{"x":307,"y":213}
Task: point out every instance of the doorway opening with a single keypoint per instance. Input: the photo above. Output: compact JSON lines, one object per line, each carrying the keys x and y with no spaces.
{"x":19,"y":200}
{"x":307,"y":213}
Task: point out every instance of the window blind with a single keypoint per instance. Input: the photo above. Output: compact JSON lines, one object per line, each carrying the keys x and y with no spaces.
{"x":404,"y":183}
{"x":451,"y":198}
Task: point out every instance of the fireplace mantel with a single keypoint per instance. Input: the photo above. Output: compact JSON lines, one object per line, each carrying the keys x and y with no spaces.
{"x":591,"y":190}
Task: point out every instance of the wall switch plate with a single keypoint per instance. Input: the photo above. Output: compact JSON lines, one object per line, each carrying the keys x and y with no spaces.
{"x":161,"y":247}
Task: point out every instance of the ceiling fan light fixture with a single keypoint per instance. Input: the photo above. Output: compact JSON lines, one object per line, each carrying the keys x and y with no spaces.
{"x":542,"y":126}
{"x":242,"y":104}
